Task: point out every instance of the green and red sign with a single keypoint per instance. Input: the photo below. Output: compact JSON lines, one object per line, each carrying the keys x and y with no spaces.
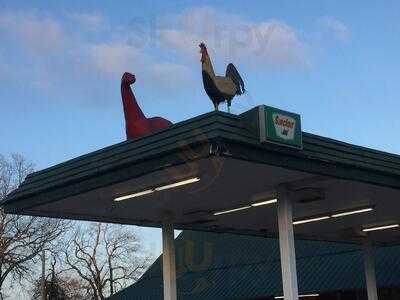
{"x":274,"y":125}
{"x":280,"y":127}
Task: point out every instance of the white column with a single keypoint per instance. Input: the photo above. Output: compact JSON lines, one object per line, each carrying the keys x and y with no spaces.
{"x":369,"y":265}
{"x":168,"y":259}
{"x":286,"y":243}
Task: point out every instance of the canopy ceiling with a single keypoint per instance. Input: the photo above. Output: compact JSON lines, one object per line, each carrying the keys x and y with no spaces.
{"x":235,"y":170}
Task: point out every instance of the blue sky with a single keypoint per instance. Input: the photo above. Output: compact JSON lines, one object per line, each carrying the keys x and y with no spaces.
{"x":336,"y":63}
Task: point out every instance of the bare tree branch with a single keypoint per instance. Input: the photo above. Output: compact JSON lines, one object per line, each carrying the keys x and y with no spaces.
{"x":22,"y":238}
{"x":107,"y":257}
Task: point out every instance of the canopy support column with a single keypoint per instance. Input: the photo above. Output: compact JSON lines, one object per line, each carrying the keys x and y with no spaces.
{"x":168,"y":259}
{"x":369,"y":265}
{"x":286,"y":243}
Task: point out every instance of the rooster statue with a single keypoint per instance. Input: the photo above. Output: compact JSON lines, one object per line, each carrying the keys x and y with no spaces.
{"x":136,"y":124}
{"x":220,"y":88}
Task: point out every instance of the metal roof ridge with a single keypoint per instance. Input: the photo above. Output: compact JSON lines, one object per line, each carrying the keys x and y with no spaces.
{"x":24,"y":189}
{"x":111,"y":147}
{"x":347,"y":144}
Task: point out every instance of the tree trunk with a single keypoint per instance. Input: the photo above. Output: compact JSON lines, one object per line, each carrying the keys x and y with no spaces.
{"x":43,"y":279}
{"x":111,"y":282}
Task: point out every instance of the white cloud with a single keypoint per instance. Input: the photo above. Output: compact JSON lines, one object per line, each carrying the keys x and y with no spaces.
{"x":36,"y":34}
{"x":90,"y":21}
{"x":168,"y":74}
{"x":110,"y":61}
{"x":276,"y":43}
{"x":264,"y":43}
{"x":171,"y":58}
{"x":338,"y":28}
{"x":114,"y":58}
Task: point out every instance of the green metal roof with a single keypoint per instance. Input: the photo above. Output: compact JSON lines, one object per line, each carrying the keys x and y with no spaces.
{"x":226,"y":266}
{"x":215,"y":133}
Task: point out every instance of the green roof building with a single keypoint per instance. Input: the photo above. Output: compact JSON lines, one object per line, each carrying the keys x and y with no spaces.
{"x":227,"y":266}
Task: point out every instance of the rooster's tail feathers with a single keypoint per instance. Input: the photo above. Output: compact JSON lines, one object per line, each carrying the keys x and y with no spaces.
{"x":233,"y":74}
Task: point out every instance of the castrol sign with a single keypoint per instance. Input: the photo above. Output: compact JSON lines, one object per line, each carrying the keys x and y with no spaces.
{"x":280,"y":127}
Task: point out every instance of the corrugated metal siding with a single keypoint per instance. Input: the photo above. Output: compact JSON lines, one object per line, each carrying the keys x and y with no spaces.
{"x":245,"y":266}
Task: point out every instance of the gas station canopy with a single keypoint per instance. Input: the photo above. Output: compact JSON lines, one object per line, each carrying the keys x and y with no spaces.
{"x":214,"y":173}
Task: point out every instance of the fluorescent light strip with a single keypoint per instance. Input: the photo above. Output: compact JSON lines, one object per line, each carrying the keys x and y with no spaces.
{"x":336,"y":215}
{"x":160,"y":188}
{"x":381,"y":227}
{"x":231,"y":210}
{"x":311,"y":220}
{"x":300,"y":296}
{"x":138,"y":194}
{"x":348,"y":213}
{"x":267,"y":202}
{"x":176,"y":184}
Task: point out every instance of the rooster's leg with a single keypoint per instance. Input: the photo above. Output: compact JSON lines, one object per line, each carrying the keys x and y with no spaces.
{"x":228,"y":104}
{"x":216,"y":106}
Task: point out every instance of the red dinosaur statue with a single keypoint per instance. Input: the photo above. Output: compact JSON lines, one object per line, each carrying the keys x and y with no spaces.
{"x":136,"y":123}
